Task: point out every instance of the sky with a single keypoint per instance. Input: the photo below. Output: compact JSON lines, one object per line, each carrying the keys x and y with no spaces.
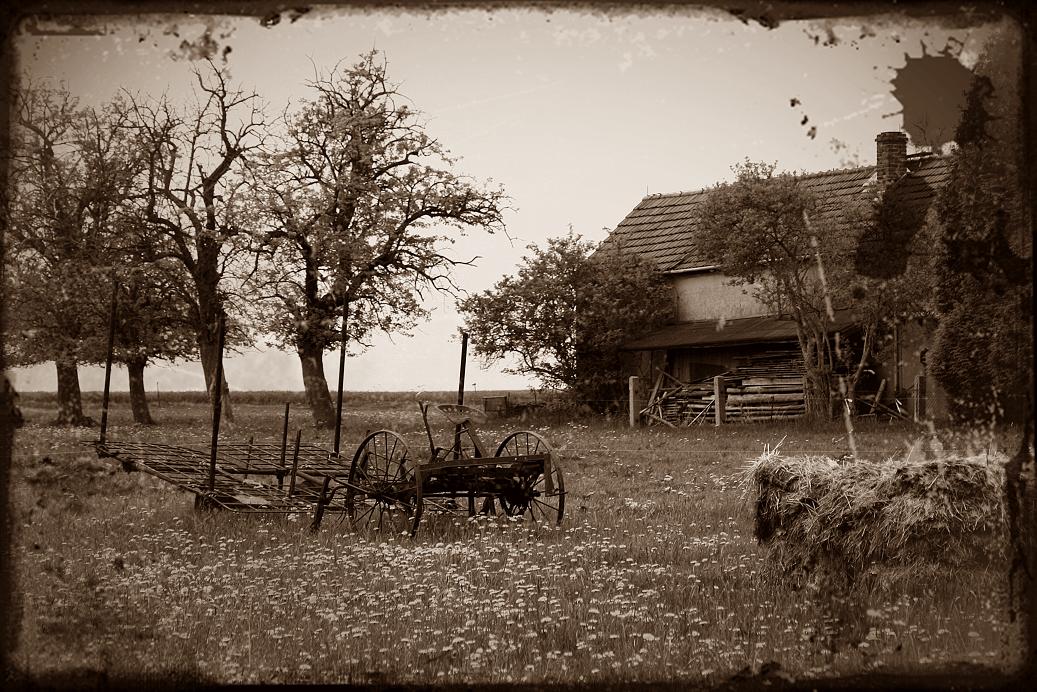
{"x":578,"y":115}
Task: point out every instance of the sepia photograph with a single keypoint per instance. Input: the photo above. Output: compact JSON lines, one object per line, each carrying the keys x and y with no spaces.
{"x":520,"y":344}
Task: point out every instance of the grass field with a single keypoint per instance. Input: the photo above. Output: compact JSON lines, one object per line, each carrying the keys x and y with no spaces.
{"x":653,"y":575}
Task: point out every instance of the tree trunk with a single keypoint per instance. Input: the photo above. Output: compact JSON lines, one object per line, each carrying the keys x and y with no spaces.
{"x":817,"y":382}
{"x":316,"y":385}
{"x":206,"y":277}
{"x":857,"y":368}
{"x":818,"y":394}
{"x":70,"y":400}
{"x":207,"y":350}
{"x":138,"y":396}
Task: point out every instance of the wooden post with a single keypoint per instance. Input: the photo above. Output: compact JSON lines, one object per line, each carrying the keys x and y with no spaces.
{"x":217,"y":399}
{"x":720,"y":397}
{"x":341,"y":374}
{"x":635,"y":406}
{"x":919,"y":398}
{"x":108,"y":363}
{"x":295,"y":464}
{"x":897,"y":376}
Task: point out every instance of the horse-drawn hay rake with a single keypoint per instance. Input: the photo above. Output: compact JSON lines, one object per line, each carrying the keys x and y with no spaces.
{"x":382,"y":489}
{"x":386,"y":489}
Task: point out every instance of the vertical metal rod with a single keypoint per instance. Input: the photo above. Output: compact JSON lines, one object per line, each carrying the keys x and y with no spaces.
{"x":108,"y":363}
{"x":341,"y":373}
{"x":248,"y":454}
{"x":295,"y":463}
{"x":284,"y":444}
{"x":217,"y":399}
{"x":460,"y":392}
{"x":460,"y":379}
{"x":284,"y":432}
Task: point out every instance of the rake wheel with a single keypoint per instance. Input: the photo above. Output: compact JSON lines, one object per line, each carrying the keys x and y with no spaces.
{"x":539,"y":493}
{"x":380,"y":494}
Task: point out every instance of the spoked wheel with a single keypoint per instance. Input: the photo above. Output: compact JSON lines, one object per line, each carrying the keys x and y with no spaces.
{"x":539,"y":493}
{"x":380,"y":495}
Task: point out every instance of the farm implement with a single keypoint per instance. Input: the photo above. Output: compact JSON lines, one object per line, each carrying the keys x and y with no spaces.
{"x":383,"y":488}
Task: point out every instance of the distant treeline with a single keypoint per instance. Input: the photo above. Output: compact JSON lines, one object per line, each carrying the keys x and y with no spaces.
{"x":281,"y":397}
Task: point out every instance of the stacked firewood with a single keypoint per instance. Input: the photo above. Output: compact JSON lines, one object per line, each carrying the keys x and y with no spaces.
{"x":764,"y":386}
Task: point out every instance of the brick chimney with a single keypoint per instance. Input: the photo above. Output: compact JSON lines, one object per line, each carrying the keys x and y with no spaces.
{"x":890,"y":157}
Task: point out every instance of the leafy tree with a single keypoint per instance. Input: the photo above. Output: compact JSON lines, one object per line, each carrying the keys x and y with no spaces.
{"x":70,"y":169}
{"x":75,"y":169}
{"x":567,"y":312}
{"x":152,"y":323}
{"x":353,"y":199}
{"x":189,"y":196}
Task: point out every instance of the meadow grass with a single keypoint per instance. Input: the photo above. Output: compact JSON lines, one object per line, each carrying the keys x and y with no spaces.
{"x":653,"y":574}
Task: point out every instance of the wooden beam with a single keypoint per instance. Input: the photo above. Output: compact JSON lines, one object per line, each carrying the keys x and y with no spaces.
{"x":670,"y":377}
{"x":655,"y":389}
{"x":661,"y":420}
{"x":702,"y":412}
{"x":878,"y":396}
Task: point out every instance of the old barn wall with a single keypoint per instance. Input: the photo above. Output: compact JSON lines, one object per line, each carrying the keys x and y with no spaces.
{"x":709,"y":296}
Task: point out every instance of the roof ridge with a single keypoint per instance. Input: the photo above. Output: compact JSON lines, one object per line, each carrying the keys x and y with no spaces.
{"x":917,"y":156}
{"x":657,"y":195}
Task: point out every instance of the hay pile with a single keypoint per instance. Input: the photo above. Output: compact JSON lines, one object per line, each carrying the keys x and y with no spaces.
{"x":839,"y":520}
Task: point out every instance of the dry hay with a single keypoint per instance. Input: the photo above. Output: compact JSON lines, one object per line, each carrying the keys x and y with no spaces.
{"x":838,"y":520}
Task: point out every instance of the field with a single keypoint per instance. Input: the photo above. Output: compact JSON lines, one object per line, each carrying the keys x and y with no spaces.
{"x":654,"y":574}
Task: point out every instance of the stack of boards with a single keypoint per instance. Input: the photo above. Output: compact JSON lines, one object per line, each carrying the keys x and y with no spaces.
{"x":764,"y":386}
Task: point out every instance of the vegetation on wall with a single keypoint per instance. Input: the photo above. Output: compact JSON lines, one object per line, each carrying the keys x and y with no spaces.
{"x":982,"y":268}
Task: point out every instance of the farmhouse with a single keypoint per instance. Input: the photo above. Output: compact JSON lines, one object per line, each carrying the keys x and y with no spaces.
{"x":722,"y":329}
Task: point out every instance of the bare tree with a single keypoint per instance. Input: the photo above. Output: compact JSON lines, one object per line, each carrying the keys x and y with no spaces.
{"x":189,"y":194}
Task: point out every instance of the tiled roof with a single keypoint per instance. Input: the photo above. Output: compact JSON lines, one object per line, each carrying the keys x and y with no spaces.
{"x":661,"y":227}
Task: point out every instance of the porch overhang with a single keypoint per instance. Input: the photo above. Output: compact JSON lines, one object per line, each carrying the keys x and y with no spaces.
{"x":745,"y":330}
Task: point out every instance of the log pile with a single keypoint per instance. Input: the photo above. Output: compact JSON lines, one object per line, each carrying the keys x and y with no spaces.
{"x":767,"y":385}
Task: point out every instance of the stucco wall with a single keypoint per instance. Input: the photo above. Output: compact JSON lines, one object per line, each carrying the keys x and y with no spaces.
{"x":708,"y":296}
